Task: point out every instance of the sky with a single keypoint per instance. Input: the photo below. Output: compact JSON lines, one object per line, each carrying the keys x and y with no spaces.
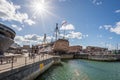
{"x":86,"y":22}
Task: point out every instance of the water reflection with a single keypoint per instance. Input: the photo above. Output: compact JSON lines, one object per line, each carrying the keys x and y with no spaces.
{"x":83,"y":70}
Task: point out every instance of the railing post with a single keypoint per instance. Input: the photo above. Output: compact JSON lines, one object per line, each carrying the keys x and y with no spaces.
{"x":46,"y":56}
{"x":25,"y":60}
{"x":33,"y":58}
{"x":12,"y":62}
{"x":39,"y":56}
{"x":1,"y":60}
{"x":43,"y":56}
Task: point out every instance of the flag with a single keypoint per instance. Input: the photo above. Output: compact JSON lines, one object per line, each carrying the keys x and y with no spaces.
{"x":64,"y":23}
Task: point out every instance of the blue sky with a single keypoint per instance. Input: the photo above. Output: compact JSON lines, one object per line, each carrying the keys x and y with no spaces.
{"x":88,"y":22}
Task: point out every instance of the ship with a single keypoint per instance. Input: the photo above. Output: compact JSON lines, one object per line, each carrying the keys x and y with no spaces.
{"x":7,"y":36}
{"x":61,"y":45}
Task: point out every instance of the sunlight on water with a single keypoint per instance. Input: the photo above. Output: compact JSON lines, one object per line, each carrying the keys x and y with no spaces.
{"x":83,"y":70}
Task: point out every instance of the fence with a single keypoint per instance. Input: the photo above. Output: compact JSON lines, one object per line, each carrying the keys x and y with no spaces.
{"x":11,"y":62}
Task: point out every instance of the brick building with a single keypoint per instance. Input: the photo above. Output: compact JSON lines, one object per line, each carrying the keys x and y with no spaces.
{"x":96,"y":50}
{"x":75,"y":49}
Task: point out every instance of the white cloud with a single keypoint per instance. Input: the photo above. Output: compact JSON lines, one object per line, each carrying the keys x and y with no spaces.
{"x":9,"y":11}
{"x":19,"y":39}
{"x":117,"y":11}
{"x":77,"y":35}
{"x":106,"y":27}
{"x":96,"y":2}
{"x":116,"y":28}
{"x":29,"y":21}
{"x":31,"y":39}
{"x":100,"y":27}
{"x":16,"y":27}
{"x":67,"y":27}
{"x":73,"y":35}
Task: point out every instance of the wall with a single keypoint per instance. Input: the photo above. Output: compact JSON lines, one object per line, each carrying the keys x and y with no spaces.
{"x":66,"y":56}
{"x":81,"y":56}
{"x":28,"y":72}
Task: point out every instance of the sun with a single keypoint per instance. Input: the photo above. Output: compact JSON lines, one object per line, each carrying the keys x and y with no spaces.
{"x":42,"y":11}
{"x":41,"y":7}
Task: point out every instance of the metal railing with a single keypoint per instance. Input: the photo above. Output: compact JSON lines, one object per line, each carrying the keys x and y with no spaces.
{"x":11,"y":62}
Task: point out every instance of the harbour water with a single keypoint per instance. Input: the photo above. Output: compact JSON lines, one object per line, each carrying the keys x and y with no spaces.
{"x":83,"y":70}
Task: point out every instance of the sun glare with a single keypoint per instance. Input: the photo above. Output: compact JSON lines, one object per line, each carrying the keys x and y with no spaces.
{"x":42,"y":11}
{"x":40,"y":7}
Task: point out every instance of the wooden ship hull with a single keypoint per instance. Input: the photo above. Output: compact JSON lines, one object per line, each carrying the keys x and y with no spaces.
{"x":61,"y":46}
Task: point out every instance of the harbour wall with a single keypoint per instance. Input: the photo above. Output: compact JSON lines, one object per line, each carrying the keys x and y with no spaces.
{"x":112,"y":57}
{"x":29,"y":72}
{"x":100,"y":57}
{"x":66,"y":56}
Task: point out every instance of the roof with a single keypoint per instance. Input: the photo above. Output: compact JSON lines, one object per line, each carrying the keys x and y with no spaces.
{"x":7,"y":28}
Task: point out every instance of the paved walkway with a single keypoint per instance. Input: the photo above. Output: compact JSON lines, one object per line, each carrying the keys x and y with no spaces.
{"x":22,"y":61}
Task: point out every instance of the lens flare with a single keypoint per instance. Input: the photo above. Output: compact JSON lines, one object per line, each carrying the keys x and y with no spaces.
{"x":41,"y":8}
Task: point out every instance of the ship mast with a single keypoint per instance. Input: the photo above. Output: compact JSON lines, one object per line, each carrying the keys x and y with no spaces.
{"x":64,"y":34}
{"x":56,"y":32}
{"x":64,"y":23}
{"x":44,"y":40}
